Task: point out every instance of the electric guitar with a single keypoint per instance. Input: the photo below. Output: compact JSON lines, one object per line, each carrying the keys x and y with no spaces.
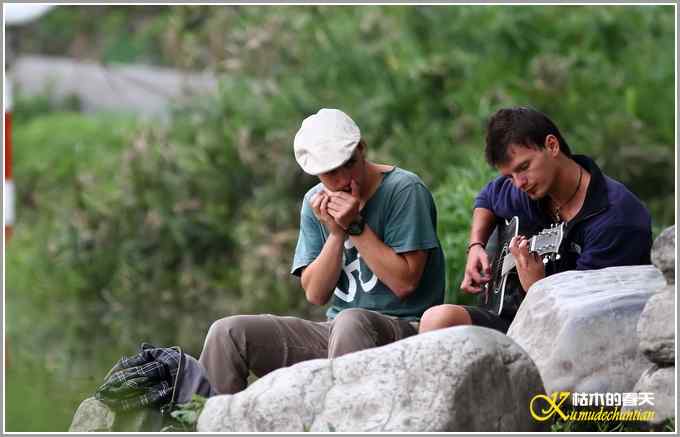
{"x":504,"y":291}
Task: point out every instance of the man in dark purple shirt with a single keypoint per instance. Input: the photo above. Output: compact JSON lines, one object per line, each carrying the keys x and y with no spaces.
{"x":542,"y":183}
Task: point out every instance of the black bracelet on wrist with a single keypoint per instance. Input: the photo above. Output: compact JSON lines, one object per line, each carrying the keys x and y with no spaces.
{"x":476,"y":243}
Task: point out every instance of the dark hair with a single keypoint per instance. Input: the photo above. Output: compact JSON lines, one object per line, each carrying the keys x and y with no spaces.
{"x":521,"y":126}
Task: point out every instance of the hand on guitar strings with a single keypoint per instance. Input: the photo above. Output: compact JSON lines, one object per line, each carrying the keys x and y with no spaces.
{"x":477,"y":270}
{"x":529,"y":265}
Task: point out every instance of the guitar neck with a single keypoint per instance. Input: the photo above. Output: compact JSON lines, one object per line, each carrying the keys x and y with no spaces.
{"x":509,"y":261}
{"x":545,"y":244}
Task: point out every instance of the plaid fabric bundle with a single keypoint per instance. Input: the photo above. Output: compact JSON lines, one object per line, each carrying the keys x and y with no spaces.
{"x":147,"y":379}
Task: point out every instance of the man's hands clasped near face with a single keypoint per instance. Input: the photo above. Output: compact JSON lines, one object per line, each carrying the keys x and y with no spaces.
{"x":337,"y":209}
{"x":319,"y":205}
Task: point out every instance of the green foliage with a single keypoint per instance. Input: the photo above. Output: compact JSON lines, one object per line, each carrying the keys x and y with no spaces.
{"x":56,"y":158}
{"x":59,"y":153}
{"x":382,"y":63}
{"x":426,"y":76}
{"x":455,"y":198}
{"x":186,"y":415}
{"x":53,"y":305}
{"x":27,"y":108}
{"x":102,"y":33}
{"x":130,"y":232}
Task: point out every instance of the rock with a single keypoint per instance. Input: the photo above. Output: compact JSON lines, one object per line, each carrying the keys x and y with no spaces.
{"x":580,"y":327}
{"x":663,"y":253}
{"x":92,"y":415}
{"x":660,"y":382}
{"x":457,"y":379}
{"x":656,"y":327}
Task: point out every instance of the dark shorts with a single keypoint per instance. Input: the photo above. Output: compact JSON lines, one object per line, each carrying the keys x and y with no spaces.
{"x":488,"y":319}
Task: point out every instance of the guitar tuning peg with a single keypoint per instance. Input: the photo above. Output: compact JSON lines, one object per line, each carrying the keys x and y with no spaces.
{"x":558,"y":256}
{"x":545,"y":260}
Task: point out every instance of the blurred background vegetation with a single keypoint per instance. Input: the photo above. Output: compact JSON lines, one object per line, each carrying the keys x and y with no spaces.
{"x":130,"y":230}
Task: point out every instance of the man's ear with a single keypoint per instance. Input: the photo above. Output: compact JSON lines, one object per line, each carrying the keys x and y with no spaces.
{"x":552,"y":144}
{"x":361,"y":147}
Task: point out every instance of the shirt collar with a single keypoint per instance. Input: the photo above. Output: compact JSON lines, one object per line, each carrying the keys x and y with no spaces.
{"x":596,"y":196}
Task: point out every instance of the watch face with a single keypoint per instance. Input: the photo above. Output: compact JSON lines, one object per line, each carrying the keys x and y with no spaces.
{"x":356,"y":227}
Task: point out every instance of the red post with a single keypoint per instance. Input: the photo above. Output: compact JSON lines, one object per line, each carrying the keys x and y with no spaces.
{"x":8,"y":183}
{"x":8,"y":194}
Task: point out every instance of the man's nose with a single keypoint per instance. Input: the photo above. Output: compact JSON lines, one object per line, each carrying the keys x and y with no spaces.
{"x":520,"y":181}
{"x":342,"y":178}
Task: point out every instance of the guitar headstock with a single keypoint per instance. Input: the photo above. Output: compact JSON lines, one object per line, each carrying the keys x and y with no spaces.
{"x":548,"y":241}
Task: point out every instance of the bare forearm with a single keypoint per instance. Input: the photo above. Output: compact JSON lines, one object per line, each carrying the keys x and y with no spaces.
{"x":527,"y":277}
{"x":477,"y":269}
{"x":393,"y":269}
{"x":482,"y":225}
{"x":321,"y":276}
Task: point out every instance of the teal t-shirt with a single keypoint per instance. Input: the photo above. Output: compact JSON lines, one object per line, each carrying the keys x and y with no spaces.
{"x":403,"y":215}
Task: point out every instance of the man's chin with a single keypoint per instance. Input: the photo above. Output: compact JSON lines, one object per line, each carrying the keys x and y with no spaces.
{"x":533,"y":195}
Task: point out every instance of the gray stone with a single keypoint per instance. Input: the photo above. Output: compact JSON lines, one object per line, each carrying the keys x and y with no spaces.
{"x":663,"y":253}
{"x":660,"y":382}
{"x":656,"y":327}
{"x":145,"y":90}
{"x":456,"y":379}
{"x":92,"y":415}
{"x":579,"y":327}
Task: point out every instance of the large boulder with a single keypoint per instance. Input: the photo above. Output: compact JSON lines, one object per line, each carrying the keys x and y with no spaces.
{"x":457,"y":379}
{"x":663,"y":253}
{"x":656,"y":327}
{"x":580,"y":327}
{"x":656,"y":330}
{"x":660,"y":382}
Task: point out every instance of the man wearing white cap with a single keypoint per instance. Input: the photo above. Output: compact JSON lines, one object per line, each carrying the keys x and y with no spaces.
{"x":367,"y":244}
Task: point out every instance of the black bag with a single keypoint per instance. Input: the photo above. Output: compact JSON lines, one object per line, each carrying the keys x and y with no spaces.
{"x":144,"y":389}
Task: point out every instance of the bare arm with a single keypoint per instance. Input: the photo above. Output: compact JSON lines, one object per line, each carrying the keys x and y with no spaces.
{"x":477,"y":268}
{"x":321,"y":276}
{"x":483,"y":221}
{"x":401,"y":272}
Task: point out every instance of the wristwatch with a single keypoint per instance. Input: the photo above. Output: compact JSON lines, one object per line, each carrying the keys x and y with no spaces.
{"x":356,"y":227}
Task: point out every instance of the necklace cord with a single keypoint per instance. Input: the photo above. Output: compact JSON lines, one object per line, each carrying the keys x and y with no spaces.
{"x":578,"y":185}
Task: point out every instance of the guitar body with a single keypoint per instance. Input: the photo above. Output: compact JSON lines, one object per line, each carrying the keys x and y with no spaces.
{"x":503,"y":293}
{"x":492,"y":296}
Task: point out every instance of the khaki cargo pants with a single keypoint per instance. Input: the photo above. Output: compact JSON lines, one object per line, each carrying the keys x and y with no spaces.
{"x":237,"y":345}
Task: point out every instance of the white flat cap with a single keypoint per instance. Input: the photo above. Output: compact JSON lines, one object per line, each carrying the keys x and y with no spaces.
{"x":325,"y":141}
